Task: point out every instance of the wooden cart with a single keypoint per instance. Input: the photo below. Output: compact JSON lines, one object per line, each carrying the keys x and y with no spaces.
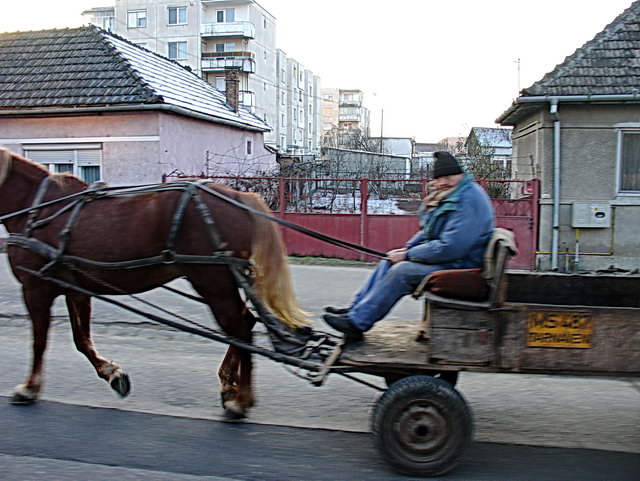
{"x":541,"y":323}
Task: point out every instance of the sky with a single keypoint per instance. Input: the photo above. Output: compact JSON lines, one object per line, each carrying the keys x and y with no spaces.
{"x":429,"y":69}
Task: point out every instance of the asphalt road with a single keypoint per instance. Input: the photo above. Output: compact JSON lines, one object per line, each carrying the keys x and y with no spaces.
{"x":170,"y":427}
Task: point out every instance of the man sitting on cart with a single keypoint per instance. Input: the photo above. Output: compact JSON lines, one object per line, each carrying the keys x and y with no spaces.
{"x":456,"y":220}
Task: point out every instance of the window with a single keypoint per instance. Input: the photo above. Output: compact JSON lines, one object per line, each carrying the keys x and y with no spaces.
{"x":221,"y":84}
{"x":282,"y":98}
{"x":82,"y":160}
{"x":178,"y":50}
{"x":177,"y":15}
{"x":137,"y":18}
{"x":630,"y":162}
{"x":264,"y":19}
{"x":226,"y":15}
{"x":282,"y":120}
{"x":248,"y":147}
{"x":225,"y":47}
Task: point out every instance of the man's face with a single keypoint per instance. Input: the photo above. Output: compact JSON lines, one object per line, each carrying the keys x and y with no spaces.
{"x":448,"y":181}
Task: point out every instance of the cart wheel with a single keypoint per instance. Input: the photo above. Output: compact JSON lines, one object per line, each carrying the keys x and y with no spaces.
{"x":422,"y":426}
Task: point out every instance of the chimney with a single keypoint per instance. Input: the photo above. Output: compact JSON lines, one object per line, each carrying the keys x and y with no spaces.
{"x":232,"y":84}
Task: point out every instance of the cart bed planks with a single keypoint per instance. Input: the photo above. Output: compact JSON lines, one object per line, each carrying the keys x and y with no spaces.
{"x":526,"y":334}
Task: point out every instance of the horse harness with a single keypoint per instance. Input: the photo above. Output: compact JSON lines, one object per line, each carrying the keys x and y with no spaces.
{"x":284,"y":340}
{"x":98,"y":190}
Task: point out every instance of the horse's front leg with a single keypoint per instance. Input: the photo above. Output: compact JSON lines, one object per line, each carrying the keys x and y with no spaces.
{"x":38,"y":301}
{"x":80,"y":316}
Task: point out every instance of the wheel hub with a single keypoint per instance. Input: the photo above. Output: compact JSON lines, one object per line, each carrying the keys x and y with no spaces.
{"x":421,"y":429}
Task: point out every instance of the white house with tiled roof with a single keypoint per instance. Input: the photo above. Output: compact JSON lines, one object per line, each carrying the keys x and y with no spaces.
{"x":86,"y":101}
{"x":578,"y":130}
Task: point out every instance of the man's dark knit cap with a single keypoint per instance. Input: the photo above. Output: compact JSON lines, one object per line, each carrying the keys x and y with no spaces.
{"x":446,"y":164}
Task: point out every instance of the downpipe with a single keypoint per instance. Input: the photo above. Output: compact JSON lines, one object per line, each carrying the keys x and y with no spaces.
{"x":553,"y":110}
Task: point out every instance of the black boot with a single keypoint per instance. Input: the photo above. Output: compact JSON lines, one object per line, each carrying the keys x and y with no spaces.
{"x":343,"y":324}
{"x":337,"y":310}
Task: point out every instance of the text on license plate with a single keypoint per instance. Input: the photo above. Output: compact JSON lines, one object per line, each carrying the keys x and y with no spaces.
{"x":560,"y":329}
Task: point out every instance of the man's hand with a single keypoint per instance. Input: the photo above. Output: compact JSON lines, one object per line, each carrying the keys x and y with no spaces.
{"x":397,"y":255}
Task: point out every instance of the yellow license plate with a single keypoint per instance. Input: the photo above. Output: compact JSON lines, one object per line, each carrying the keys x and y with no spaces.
{"x":560,"y":329}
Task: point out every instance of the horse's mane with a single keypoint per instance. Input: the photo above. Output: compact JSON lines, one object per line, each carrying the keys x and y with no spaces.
{"x":66,"y":182}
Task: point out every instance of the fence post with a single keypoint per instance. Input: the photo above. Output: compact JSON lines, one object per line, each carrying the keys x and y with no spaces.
{"x":364,"y":215}
{"x":535,"y":210}
{"x":281,"y":198}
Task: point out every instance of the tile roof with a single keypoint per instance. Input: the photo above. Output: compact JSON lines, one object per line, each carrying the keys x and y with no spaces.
{"x":609,"y":64}
{"x":90,"y":67}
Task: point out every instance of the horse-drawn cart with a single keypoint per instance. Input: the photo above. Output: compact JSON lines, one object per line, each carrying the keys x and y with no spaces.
{"x":66,"y":239}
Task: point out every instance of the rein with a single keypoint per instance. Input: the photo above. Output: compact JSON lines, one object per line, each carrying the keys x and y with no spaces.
{"x":297,"y":228}
{"x":149,"y":188}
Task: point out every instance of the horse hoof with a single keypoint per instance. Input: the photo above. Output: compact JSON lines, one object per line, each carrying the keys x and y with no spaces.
{"x":120,"y":383}
{"x":226,"y":397}
{"x":23,"y":396}
{"x":21,"y":400}
{"x":233,"y":411}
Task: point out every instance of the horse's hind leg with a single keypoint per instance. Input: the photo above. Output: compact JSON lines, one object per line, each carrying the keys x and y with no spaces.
{"x":38,"y":301}
{"x":80,"y":315}
{"x":229,"y":310}
{"x":229,"y":372}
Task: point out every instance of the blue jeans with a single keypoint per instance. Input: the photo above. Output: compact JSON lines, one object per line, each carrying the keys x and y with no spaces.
{"x":385,"y":286}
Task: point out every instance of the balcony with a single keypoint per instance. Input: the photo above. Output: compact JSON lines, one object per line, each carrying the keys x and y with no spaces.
{"x":228,"y":29}
{"x":350,"y":103}
{"x":349,"y":118}
{"x":219,"y":61}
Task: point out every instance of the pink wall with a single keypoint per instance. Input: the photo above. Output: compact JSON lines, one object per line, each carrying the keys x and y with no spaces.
{"x":140,"y":147}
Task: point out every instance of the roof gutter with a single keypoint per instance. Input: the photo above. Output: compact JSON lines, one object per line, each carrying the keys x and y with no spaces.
{"x":579,"y":98}
{"x":131,"y":108}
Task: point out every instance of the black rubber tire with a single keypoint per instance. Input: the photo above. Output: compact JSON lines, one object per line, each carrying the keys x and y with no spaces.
{"x":450,"y":376}
{"x":422,"y":426}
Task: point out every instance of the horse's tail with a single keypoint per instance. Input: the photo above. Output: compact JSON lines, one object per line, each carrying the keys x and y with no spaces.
{"x":273,"y":278}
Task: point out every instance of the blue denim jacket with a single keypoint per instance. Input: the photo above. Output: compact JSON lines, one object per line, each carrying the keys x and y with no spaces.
{"x":457,"y":231}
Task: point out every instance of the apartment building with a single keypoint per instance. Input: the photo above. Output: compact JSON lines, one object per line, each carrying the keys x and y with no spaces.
{"x":344,"y":108}
{"x":209,"y":36}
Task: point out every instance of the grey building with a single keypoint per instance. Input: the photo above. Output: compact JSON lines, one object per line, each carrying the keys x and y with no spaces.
{"x":578,"y":130}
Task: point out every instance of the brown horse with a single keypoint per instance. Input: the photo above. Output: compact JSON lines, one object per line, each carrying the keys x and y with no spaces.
{"x":118,"y":228}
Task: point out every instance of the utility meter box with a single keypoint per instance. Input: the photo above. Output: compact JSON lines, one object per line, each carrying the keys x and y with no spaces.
{"x":591,"y":214}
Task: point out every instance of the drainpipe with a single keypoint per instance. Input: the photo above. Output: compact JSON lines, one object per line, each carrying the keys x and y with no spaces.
{"x":553,"y":110}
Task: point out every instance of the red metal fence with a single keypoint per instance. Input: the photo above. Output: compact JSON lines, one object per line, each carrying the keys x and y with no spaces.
{"x":380,"y":214}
